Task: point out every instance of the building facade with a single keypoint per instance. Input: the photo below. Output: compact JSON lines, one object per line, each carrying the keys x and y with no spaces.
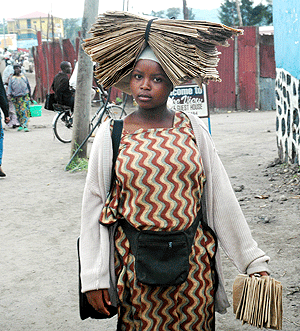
{"x":26,"y":27}
{"x":286,"y":18}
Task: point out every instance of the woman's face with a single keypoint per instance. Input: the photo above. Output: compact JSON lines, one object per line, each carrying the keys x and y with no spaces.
{"x":149,"y":84}
{"x":17,"y":70}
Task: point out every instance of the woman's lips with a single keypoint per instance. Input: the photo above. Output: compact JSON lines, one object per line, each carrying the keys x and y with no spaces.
{"x":144,"y":97}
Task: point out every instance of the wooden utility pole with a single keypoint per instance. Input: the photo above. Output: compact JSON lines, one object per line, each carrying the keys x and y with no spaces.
{"x":236,"y":59}
{"x":185,"y":11}
{"x":238,"y":10}
{"x":84,"y":83}
{"x":4,"y":41}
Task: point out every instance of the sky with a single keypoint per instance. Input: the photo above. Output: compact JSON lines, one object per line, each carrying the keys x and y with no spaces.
{"x":74,"y":9}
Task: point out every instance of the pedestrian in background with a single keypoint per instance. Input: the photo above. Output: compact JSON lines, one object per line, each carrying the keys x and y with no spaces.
{"x":64,"y":94}
{"x":7,"y":73}
{"x":6,"y":55}
{"x":4,"y":107}
{"x":20,"y":93}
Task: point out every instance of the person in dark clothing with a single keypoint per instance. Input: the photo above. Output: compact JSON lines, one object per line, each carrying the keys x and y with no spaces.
{"x":64,"y":95}
{"x":4,"y":106}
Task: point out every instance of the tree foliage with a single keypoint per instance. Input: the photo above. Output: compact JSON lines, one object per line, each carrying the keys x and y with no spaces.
{"x":173,"y":12}
{"x":160,"y":14}
{"x":71,"y":28}
{"x":191,"y":14}
{"x":251,"y":15}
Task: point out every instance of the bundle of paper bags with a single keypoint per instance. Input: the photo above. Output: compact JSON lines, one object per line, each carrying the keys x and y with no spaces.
{"x":258,"y":301}
{"x":186,"y":49}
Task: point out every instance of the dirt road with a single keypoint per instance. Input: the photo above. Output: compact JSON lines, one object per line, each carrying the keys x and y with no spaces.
{"x":40,"y":220}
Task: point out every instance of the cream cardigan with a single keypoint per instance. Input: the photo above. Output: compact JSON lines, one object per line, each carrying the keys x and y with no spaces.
{"x":224,"y":216}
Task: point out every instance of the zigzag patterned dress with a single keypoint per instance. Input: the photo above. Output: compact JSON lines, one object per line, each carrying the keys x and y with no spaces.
{"x":160,"y":179}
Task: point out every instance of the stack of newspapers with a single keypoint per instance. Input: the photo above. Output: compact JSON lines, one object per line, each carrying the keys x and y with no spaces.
{"x":258,"y":301}
{"x":186,"y":49}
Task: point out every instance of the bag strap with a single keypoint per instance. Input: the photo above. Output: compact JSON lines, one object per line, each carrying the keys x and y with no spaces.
{"x":195,"y":126}
{"x":116,"y":138}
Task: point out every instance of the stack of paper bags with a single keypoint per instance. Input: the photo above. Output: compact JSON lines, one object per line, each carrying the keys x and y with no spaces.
{"x":258,"y":301}
{"x":186,"y":49}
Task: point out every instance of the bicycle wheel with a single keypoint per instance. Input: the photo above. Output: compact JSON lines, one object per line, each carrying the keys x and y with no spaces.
{"x":95,"y":118}
{"x":63,"y":126}
{"x":112,"y":111}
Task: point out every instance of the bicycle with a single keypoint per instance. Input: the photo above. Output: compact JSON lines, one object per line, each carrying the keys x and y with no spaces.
{"x":63,"y":120}
{"x":63,"y":123}
{"x":106,"y":112}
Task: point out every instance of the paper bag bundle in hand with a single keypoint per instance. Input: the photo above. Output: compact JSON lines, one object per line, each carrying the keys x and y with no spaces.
{"x":258,"y":301}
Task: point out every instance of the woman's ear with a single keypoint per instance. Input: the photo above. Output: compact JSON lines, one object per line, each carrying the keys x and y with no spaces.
{"x":171,"y":88}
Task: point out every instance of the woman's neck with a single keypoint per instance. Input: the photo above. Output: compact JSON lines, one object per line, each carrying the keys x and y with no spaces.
{"x":149,"y":119}
{"x":153,"y":115}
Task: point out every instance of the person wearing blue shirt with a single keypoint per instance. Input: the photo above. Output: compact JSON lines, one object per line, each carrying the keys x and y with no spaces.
{"x":4,"y":107}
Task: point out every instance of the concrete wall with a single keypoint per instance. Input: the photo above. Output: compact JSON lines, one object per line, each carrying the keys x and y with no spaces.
{"x":287,"y":117}
{"x":286,"y":17}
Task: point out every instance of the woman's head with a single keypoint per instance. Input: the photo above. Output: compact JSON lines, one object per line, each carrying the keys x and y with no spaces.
{"x":149,"y":84}
{"x":17,"y":69}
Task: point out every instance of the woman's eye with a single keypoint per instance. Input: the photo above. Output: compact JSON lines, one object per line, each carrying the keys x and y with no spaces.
{"x":157,"y":80}
{"x":137,"y":76}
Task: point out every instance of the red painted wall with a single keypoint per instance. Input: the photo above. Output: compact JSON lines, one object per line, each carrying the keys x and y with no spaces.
{"x":267,"y":57}
{"x":222,"y":95}
{"x":247,"y":44}
{"x":47,"y":58}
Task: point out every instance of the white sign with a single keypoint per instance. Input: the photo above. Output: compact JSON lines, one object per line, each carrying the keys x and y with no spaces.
{"x":190,"y":98}
{"x":8,"y":41}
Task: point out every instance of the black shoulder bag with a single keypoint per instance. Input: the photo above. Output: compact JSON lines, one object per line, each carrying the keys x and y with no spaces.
{"x":85,"y":309}
{"x":49,"y":101}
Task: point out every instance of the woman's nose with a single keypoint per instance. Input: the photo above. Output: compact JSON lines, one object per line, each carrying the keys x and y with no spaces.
{"x":145,"y":84}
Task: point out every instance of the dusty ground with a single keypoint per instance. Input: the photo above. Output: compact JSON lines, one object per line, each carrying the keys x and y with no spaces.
{"x":40,"y":220}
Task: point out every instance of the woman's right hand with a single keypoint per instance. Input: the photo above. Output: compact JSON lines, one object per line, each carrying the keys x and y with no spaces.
{"x":99,"y":299}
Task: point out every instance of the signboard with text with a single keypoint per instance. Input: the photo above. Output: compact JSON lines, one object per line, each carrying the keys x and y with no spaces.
{"x":190,"y":98}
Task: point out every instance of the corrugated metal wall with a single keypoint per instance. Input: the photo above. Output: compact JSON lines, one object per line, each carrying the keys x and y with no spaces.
{"x":248,"y":74}
{"x":47,"y":58}
{"x":267,"y":72}
{"x":222,"y":95}
{"x":255,"y":59}
{"x":267,"y":57}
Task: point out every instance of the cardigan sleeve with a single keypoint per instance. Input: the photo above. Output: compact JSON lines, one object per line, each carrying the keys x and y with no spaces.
{"x":94,"y":238}
{"x":230,"y":224}
{"x":224,"y":213}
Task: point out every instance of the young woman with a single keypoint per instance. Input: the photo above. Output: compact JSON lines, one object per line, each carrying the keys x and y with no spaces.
{"x":166,"y":161}
{"x":20,"y":93}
